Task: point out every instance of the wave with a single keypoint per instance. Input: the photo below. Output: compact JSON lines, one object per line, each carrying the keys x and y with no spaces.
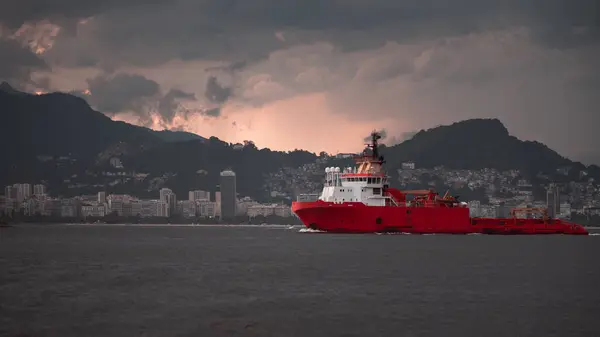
{"x":310,"y":230}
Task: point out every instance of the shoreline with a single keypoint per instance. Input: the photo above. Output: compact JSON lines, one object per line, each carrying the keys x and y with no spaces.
{"x":155,"y":225}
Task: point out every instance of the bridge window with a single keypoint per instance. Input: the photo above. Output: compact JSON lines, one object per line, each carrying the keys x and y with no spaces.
{"x":369,"y":181}
{"x":377,"y":191}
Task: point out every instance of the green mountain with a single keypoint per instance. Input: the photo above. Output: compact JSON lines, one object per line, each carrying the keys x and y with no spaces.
{"x":477,"y":144}
{"x":53,"y":126}
{"x":59,"y":140}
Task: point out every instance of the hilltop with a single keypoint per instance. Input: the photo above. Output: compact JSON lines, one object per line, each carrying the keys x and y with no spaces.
{"x":176,"y":136}
{"x":477,"y":144}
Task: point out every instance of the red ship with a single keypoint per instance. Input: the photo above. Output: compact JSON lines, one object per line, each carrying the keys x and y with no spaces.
{"x":359,"y":200}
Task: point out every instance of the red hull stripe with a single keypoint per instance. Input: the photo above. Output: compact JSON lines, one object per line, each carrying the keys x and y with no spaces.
{"x":356,"y":217}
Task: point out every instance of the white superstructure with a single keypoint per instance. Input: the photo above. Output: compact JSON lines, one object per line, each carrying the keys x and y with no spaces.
{"x":350,"y":186}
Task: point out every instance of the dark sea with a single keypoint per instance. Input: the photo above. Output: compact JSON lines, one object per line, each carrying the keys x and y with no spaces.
{"x":110,"y":280}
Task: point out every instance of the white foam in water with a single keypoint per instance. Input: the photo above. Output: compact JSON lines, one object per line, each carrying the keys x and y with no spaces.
{"x":310,"y":230}
{"x":393,"y":233}
{"x":594,"y":234}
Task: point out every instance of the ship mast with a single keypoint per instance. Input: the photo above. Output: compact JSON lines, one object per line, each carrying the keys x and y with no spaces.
{"x":375,"y":136}
{"x":371,"y":163}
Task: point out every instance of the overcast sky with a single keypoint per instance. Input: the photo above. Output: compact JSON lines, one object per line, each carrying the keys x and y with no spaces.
{"x":318,"y":74}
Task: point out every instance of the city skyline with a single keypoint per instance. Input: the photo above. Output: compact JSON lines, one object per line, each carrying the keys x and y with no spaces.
{"x":503,"y":191}
{"x":319,"y":75}
{"x":225,"y":204}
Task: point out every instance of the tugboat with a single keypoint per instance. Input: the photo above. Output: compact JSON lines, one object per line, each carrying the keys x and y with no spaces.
{"x":359,"y":200}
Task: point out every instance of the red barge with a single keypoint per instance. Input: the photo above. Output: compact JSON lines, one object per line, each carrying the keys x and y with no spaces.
{"x":359,"y":200}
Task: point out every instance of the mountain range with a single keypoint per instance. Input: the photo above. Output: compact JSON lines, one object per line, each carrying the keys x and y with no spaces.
{"x":58,"y":139}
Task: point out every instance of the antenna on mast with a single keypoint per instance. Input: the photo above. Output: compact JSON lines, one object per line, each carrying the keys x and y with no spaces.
{"x":375,"y":137}
{"x":373,"y":159}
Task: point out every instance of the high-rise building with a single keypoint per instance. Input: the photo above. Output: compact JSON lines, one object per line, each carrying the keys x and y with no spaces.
{"x":218,"y":203}
{"x":164,"y":192}
{"x":167,"y":196}
{"x":228,"y":194}
{"x":19,"y":191}
{"x":553,"y":201}
{"x":26,"y":190}
{"x":9,"y":192}
{"x":101,"y":197}
{"x":39,"y":190}
{"x":198,"y":195}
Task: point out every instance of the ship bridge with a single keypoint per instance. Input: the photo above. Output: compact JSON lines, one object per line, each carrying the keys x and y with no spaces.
{"x":348,"y":185}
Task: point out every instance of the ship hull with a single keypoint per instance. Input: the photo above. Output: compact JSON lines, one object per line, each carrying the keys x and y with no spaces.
{"x":356,"y":217}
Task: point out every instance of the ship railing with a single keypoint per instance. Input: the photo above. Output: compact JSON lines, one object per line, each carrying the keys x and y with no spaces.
{"x":308,"y":197}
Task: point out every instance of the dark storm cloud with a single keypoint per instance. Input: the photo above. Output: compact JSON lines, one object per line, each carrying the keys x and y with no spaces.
{"x":421,"y":62}
{"x":121,"y":92}
{"x":229,"y":68}
{"x":169,"y":104}
{"x":17,"y":63}
{"x":214,"y":112}
{"x":215,"y":92}
{"x":206,"y":112}
{"x":15,"y":13}
{"x":43,"y":83}
{"x":130,"y":33}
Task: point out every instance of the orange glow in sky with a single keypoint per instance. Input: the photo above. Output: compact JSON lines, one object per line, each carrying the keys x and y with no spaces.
{"x":302,"y":122}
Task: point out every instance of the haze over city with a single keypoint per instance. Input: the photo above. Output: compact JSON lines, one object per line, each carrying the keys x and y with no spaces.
{"x":318,"y":75}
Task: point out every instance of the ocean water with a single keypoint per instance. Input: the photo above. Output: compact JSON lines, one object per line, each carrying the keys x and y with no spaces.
{"x":61,"y":280}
